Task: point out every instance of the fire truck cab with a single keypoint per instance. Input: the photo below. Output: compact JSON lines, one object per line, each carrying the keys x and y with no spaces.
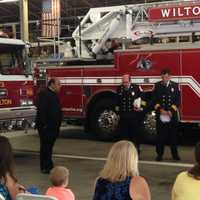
{"x":139,"y":40}
{"x":16,"y":85}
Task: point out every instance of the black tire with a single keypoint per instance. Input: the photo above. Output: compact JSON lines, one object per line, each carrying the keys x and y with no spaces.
{"x":149,"y":128}
{"x":102,"y":108}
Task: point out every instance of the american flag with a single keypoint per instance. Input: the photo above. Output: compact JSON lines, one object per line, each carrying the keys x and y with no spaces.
{"x":50,"y":17}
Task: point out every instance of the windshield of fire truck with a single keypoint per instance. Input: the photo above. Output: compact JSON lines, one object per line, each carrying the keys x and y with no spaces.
{"x":12,"y":60}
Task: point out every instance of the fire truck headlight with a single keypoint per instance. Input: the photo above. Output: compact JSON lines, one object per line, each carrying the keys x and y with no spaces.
{"x":23,"y":102}
{"x":3,"y":92}
{"x":30,"y":102}
{"x":26,"y":102}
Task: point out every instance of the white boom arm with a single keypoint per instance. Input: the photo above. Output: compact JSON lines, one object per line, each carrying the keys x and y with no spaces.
{"x":107,"y":34}
{"x":129,"y":22}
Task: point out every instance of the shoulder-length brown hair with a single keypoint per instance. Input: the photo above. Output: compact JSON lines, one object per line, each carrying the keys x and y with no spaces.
{"x":122,"y":161}
{"x":6,"y":160}
{"x":195,"y":170}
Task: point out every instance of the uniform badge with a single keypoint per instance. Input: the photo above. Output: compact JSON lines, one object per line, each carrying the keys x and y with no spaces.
{"x":172,"y":89}
{"x":133,"y":93}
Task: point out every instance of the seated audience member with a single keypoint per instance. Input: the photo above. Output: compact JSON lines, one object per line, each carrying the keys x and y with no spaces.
{"x":59,"y":177}
{"x":120,"y":178}
{"x":9,"y":187}
{"x":187,"y":183}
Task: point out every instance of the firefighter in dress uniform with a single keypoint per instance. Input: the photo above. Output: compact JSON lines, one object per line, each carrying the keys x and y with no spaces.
{"x":166,"y":100}
{"x":130,"y":108}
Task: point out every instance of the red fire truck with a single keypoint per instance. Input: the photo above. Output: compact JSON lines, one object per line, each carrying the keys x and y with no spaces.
{"x":16,"y":85}
{"x":136,"y":39}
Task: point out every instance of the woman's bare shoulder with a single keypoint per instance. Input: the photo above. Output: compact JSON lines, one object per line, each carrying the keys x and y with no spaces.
{"x":139,"y":180}
{"x":139,"y":188}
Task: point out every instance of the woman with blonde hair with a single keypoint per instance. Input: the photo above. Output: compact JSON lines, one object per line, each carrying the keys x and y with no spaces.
{"x":119,"y":179}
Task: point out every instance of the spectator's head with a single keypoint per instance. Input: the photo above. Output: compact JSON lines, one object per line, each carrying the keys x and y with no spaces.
{"x":6,"y":159}
{"x":122,"y":161}
{"x":195,"y":171}
{"x":166,"y":75}
{"x":59,"y":176}
{"x":54,"y":84}
{"x":126,"y":79}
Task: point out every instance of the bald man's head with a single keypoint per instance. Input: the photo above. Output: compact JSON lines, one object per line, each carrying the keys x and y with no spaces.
{"x":54,"y":84}
{"x":126,"y":79}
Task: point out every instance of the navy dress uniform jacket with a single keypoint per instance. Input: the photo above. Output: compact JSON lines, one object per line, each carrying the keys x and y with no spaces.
{"x":167,"y":98}
{"x":126,"y":98}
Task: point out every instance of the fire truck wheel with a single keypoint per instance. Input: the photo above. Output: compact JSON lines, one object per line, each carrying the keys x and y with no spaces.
{"x":149,"y":131}
{"x":104,"y":120}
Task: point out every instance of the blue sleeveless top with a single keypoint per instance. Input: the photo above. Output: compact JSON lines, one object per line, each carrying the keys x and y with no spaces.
{"x":4,"y":192}
{"x":106,"y":190}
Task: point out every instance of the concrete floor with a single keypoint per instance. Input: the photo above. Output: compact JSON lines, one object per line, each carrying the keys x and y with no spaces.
{"x":83,"y":170}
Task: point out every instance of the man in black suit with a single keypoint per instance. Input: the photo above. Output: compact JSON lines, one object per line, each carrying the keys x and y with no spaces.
{"x":48,"y":121}
{"x":130,"y":108}
{"x":166,"y":100}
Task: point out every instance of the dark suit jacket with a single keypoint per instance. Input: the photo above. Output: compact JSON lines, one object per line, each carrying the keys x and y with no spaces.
{"x":49,"y":114}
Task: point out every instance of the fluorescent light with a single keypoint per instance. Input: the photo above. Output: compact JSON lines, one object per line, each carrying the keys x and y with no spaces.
{"x":8,"y":1}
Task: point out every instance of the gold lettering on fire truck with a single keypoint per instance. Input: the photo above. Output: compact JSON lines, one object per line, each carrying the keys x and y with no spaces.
{"x":5,"y":102}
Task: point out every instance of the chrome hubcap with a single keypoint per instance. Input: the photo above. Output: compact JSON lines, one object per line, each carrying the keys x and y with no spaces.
{"x":150,"y":123}
{"x":108,"y":121}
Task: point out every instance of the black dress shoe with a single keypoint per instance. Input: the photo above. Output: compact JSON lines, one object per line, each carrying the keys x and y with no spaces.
{"x":159,"y":158}
{"x":45,"y":171}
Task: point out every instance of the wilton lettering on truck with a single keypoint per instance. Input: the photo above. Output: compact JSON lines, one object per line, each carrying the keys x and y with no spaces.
{"x":174,"y":13}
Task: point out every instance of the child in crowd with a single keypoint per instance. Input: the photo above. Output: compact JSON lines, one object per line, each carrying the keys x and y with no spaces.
{"x":59,"y":177}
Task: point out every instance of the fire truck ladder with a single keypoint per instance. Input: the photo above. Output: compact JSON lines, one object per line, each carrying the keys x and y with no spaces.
{"x":127,"y":23}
